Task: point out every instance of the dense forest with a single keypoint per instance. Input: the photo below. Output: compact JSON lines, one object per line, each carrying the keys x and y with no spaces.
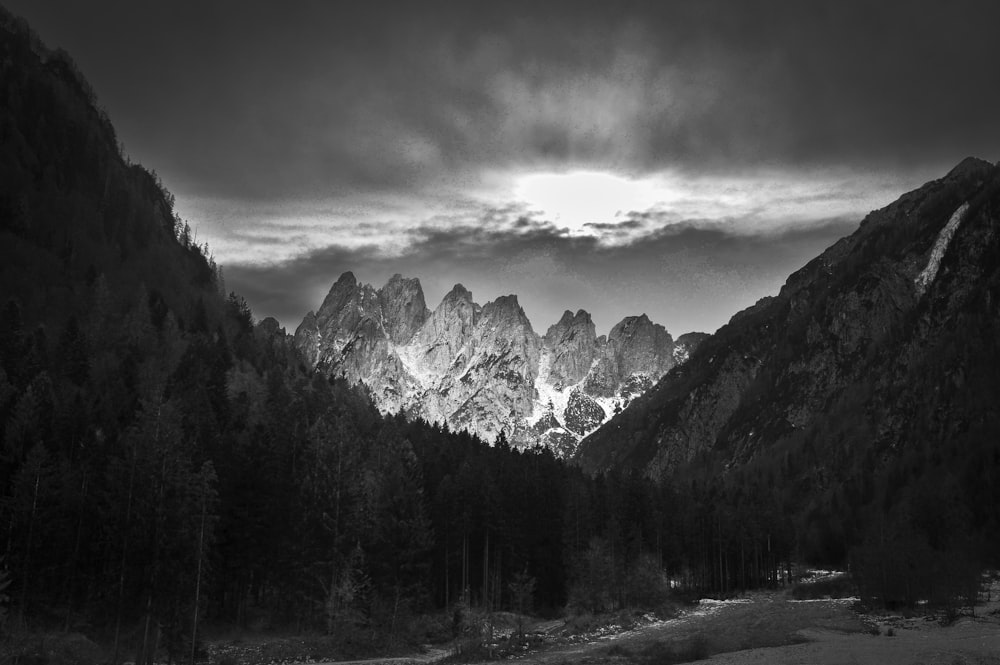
{"x":168,"y":462}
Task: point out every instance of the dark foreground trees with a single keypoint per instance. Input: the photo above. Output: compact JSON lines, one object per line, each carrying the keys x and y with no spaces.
{"x":922,"y":549}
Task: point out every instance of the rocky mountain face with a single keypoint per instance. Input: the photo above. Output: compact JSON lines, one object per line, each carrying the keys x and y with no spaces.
{"x":887,"y":341}
{"x":483,"y":368}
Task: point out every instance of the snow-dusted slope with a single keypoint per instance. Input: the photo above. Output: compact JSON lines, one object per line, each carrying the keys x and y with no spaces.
{"x":484,"y":369}
{"x":927,"y":275}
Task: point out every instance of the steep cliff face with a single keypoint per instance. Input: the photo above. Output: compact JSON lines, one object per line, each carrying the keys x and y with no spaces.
{"x":492,"y":384}
{"x":483,"y":368}
{"x":633,"y":349}
{"x":349,"y":337}
{"x":403,"y":308}
{"x":437,"y":343}
{"x":855,"y":343}
{"x":572,"y":343}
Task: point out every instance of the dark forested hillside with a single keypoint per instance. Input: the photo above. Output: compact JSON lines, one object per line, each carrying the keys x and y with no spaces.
{"x":167,"y":462}
{"x":867,"y":390}
{"x":867,"y":321}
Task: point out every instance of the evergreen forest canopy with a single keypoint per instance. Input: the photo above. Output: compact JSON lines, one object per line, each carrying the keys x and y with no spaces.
{"x":168,"y":461}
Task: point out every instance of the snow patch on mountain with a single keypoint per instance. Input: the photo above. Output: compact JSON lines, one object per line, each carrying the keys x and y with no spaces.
{"x":927,"y":275}
{"x":411,"y":355}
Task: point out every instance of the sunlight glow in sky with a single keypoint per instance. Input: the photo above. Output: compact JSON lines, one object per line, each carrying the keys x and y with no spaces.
{"x":615,"y":210}
{"x":575,"y":199}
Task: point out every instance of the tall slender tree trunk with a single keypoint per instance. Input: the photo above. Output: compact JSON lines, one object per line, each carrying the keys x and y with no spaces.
{"x":743,"y":566}
{"x":335,"y":566}
{"x":395,"y":613}
{"x":197,"y":583}
{"x":465,"y":568}
{"x":486,"y":571}
{"x":27,"y":547}
{"x":722,"y":579}
{"x":71,"y":569}
{"x":150,"y":653}
{"x":770,"y":562}
{"x":882,"y":558}
{"x":121,"y":570}
{"x":757,"y":565}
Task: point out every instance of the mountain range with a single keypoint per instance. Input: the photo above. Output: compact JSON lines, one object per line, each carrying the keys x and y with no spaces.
{"x":483,"y":368}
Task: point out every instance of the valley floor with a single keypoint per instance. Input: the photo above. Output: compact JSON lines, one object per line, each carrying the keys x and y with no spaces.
{"x":759,"y":628}
{"x":770,"y":628}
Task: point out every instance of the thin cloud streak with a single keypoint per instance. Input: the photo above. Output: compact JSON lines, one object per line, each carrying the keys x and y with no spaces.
{"x":759,"y":205}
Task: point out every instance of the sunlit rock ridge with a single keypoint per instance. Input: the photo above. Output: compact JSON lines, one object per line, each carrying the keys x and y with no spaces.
{"x":484,"y":368}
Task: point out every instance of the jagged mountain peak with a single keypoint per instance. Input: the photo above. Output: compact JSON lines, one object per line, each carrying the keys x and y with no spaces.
{"x":569,"y":324}
{"x":343,"y":291}
{"x":573,"y":345}
{"x":631,"y":322}
{"x":633,"y":328}
{"x":483,"y":368}
{"x":459,"y":292}
{"x":508,"y":302}
{"x":506,"y":308}
{"x":403,"y":308}
{"x":582,"y":318}
{"x":456,"y":305}
{"x":399,"y":283}
{"x":568,"y":316}
{"x":504,"y":319}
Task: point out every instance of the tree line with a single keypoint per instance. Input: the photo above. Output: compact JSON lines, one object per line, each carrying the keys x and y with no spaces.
{"x":162,"y":476}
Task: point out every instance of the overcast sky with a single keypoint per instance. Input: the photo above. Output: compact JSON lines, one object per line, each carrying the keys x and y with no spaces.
{"x":673,"y":158}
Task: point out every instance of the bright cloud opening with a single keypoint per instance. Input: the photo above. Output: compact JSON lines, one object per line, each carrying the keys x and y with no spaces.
{"x":574,"y":199}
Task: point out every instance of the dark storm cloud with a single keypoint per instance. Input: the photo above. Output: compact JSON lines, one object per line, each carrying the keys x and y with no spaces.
{"x":303,"y":139}
{"x":256,"y":99}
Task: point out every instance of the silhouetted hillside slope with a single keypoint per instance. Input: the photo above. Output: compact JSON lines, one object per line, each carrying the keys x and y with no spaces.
{"x":872,"y":376}
{"x":167,"y":462}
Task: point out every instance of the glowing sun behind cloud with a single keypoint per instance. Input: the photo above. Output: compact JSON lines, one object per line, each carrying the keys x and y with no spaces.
{"x":574,"y":199}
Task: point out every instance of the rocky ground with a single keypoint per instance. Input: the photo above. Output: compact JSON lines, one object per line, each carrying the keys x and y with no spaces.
{"x":773,"y":628}
{"x":758,"y":628}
